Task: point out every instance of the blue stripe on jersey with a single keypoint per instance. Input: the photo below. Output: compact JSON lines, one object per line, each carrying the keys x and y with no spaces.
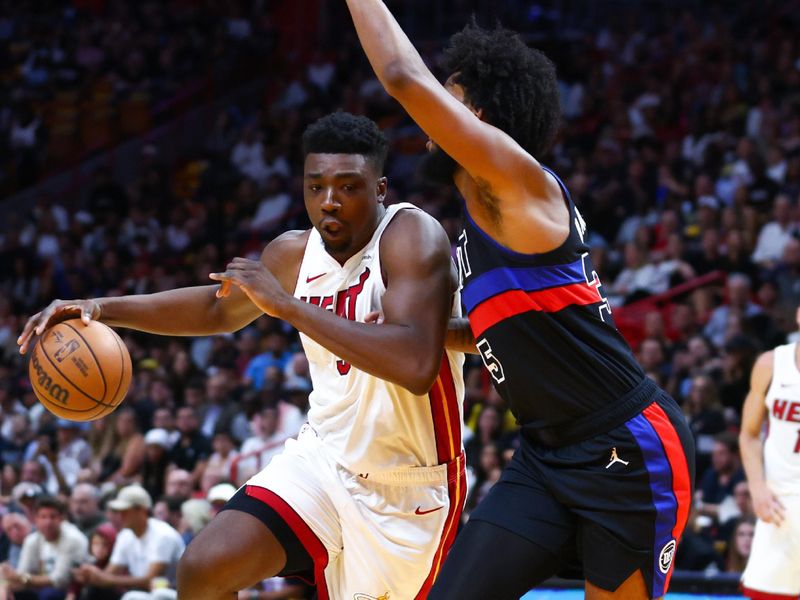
{"x":664,"y":501}
{"x":527,"y":279}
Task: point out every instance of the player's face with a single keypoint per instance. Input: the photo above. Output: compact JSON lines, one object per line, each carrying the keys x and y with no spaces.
{"x":344,"y":199}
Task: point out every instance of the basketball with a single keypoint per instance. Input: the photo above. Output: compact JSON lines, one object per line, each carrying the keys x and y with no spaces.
{"x":80,"y":372}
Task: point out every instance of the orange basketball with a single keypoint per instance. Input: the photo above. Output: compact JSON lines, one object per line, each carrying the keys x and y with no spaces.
{"x":80,"y":372}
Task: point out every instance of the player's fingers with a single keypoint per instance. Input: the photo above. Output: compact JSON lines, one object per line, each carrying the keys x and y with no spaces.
{"x":374,"y":317}
{"x":45,"y":319}
{"x":27,"y":332}
{"x":224,"y":289}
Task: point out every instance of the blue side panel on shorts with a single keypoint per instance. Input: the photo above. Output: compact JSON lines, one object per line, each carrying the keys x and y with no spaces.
{"x":664,"y":500}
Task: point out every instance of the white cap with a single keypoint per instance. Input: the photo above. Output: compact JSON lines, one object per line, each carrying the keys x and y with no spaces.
{"x":158,"y":437}
{"x":222,"y":492}
{"x":130,"y":496}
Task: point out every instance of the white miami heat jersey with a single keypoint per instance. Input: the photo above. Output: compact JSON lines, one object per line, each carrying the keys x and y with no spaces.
{"x":782,"y":445}
{"x":368,"y":424}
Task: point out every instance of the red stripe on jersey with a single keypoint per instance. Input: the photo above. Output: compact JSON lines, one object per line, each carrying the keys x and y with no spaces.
{"x":681,"y":485}
{"x":444,"y":410}
{"x":516,"y":302}
{"x":315,"y":548}
{"x":457,"y":492}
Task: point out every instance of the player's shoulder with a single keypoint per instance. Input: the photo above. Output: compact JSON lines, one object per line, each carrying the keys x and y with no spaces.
{"x":763,"y":370}
{"x":287,"y":246}
{"x":765,"y":361}
{"x":411,"y":226}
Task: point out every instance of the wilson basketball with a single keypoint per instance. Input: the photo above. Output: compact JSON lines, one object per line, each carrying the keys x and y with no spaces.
{"x":80,"y":372}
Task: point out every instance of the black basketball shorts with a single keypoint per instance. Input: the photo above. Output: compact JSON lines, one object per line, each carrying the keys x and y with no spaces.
{"x":609,"y":505}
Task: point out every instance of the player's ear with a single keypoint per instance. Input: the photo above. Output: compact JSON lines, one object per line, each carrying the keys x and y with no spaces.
{"x":383,"y":186}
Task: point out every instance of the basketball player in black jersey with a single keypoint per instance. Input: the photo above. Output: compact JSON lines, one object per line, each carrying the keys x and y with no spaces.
{"x":604,"y":474}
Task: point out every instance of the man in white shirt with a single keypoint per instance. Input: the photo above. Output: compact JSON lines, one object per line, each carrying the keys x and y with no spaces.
{"x":145,"y":555}
{"x":47,"y":555}
{"x":774,"y":236}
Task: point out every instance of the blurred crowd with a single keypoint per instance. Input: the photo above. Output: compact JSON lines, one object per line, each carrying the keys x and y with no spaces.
{"x":680,"y":145}
{"x":78,"y":76}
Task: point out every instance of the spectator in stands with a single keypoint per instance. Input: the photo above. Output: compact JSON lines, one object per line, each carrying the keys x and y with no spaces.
{"x":101,"y":543}
{"x":156,"y":461}
{"x":145,"y":550}
{"x":84,"y":507}
{"x":218,"y":412}
{"x":47,"y":555}
{"x":739,"y":289}
{"x":218,"y":495}
{"x":195,"y":514}
{"x":259,"y":449}
{"x":276,"y":355}
{"x":192,"y":449}
{"x":179,"y":484}
{"x":739,"y":545}
{"x":125,"y":453}
{"x":719,"y":481}
{"x":706,"y":418}
{"x":16,"y":528}
{"x":774,"y":235}
{"x":219,"y":463}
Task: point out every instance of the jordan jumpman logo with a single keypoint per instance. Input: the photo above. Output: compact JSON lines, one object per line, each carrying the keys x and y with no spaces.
{"x":616,"y":459}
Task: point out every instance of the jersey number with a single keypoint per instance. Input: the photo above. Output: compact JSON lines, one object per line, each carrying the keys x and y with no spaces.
{"x":490,"y":360}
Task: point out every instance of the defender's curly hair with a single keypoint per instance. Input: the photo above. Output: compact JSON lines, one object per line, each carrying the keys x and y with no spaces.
{"x":515,"y":85}
{"x":345,"y":133}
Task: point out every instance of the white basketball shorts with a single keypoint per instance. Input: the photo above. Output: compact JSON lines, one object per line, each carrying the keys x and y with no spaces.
{"x":773,"y":570}
{"x":372,"y":536}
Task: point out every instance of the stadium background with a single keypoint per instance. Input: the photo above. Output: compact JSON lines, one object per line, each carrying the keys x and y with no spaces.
{"x":142,"y":144}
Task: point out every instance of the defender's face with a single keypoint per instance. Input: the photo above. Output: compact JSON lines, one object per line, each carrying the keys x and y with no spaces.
{"x":344,"y":197}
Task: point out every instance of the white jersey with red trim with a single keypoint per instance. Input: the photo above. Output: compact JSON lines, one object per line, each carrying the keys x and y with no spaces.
{"x":368,"y":424}
{"x":782,"y":445}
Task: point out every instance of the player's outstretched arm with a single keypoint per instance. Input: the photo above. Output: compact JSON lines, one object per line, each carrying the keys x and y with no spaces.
{"x":766,"y":505}
{"x":406,"y":347}
{"x":488,"y":154}
{"x":192,"y":311}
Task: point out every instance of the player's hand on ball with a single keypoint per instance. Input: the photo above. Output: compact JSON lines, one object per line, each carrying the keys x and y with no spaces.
{"x":56,"y":312}
{"x":767,"y":505}
{"x":255,"y":280}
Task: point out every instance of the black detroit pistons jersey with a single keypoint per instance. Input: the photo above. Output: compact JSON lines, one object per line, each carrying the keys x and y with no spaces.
{"x":547,"y":336}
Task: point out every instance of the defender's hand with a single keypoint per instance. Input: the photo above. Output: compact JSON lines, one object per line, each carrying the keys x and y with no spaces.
{"x":57,"y":311}
{"x":255,"y":280}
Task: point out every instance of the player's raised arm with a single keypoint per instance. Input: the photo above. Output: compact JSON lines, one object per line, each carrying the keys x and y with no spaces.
{"x":766,"y":505}
{"x":464,"y":130}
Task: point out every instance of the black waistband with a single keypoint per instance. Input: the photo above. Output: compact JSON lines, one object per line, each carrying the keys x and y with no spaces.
{"x":595,"y":423}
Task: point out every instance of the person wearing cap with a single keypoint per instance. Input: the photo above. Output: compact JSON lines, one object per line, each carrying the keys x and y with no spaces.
{"x":47,"y":555}
{"x":219,"y":495}
{"x":146,"y":552}
{"x":157,"y":444}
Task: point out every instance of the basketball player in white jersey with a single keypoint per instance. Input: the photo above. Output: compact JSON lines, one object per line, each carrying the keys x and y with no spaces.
{"x":772,"y":464}
{"x":366,"y":501}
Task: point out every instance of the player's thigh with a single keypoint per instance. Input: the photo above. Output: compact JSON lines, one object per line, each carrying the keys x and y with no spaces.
{"x":488,"y":561}
{"x":234,"y":551}
{"x":518,"y":536}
